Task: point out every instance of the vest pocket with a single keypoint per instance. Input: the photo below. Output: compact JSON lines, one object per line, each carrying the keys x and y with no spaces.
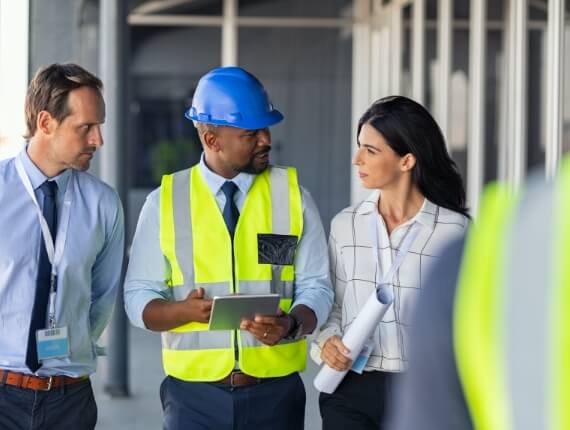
{"x":276,"y":249}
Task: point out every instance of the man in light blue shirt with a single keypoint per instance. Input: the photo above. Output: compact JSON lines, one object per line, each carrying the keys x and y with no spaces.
{"x":232,"y":113}
{"x":61,"y":252}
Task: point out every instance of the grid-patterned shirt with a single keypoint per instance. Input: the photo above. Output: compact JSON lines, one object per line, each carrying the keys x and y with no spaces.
{"x":354,"y":272}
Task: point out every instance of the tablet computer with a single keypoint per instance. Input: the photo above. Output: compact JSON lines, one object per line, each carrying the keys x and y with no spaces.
{"x":228,"y":311}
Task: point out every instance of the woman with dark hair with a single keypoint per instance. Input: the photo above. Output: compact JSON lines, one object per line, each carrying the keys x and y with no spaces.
{"x":393,"y":237}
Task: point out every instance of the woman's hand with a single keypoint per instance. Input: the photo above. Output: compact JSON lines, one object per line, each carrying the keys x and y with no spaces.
{"x":334,"y":354}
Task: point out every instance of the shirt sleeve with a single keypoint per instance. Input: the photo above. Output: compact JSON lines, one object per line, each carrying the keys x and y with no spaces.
{"x":429,"y":395}
{"x":107,"y":270}
{"x":312,"y":282}
{"x":148,"y":269}
{"x":338,"y":277}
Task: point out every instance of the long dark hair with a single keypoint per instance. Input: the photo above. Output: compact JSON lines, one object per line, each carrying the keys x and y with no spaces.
{"x":409,"y":129}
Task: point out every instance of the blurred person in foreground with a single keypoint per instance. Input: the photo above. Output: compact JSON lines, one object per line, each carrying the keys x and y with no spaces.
{"x":61,"y":254}
{"x":416,"y":208}
{"x":491,"y":344}
{"x":232,"y":223}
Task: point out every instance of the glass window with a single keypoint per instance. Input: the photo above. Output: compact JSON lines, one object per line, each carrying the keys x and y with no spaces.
{"x":536,"y":85}
{"x":494,"y":87}
{"x":566,"y":74}
{"x":208,"y":7}
{"x":308,"y":76}
{"x":459,"y":87}
{"x":458,"y":92}
{"x":165,"y":68}
{"x":461,"y":11}
{"x":407,"y":24}
{"x":430,"y":69}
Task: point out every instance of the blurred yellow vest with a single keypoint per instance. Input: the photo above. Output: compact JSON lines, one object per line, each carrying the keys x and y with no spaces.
{"x":488,"y":311}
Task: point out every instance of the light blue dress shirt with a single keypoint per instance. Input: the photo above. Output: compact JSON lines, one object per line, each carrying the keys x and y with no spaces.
{"x":148,"y":266}
{"x":88,"y":275}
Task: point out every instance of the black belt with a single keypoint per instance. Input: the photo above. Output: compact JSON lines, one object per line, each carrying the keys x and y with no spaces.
{"x":239,"y":379}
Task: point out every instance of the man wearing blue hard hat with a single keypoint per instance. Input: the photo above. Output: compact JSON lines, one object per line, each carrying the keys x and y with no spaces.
{"x":230,"y":224}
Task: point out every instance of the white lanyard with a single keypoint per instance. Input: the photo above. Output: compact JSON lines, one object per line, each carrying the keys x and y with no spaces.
{"x":400,"y":254}
{"x":54,"y":251}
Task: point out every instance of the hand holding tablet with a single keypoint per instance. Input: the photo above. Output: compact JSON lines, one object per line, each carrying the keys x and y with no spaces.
{"x":229,"y":311}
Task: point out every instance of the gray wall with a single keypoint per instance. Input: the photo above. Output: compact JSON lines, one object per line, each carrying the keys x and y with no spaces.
{"x":63,"y":31}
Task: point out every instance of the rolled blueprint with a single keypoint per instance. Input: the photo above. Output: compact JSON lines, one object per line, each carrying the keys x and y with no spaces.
{"x":356,"y":335}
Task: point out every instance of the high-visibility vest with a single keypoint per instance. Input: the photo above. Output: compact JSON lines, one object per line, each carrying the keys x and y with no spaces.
{"x":512,"y":309}
{"x":195,"y":241}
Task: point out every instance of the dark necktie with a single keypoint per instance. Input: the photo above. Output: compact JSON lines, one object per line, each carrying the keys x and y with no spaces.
{"x":230,"y":213}
{"x":39,"y":311}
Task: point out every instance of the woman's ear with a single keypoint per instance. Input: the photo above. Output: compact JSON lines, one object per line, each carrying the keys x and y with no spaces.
{"x":408,"y":162}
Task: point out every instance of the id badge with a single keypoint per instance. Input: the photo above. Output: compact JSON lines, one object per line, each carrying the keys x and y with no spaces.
{"x":52,"y":343}
{"x":359,"y":363}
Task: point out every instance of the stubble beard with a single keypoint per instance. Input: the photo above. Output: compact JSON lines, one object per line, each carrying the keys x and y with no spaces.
{"x":81,"y":165}
{"x":254,"y":168}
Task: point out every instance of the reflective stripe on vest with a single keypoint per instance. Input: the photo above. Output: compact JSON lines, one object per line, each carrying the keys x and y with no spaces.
{"x":510,"y":331}
{"x":202,"y":257}
{"x":560,"y":364}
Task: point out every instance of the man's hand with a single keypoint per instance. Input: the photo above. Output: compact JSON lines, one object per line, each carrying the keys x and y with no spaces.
{"x":197,"y":308}
{"x":162,"y":315}
{"x":334,"y":354}
{"x":268,"y":329}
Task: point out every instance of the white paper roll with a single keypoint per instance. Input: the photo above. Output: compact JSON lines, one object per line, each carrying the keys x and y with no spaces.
{"x":356,"y":336}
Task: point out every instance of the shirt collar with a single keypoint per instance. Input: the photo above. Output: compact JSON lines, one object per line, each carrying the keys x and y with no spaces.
{"x":369,"y":204}
{"x":37,"y":178}
{"x":215,"y":181}
{"x":425,"y":216}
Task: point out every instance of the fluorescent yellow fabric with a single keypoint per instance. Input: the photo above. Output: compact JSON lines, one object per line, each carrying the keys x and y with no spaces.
{"x":479,"y":307}
{"x":167,"y":239}
{"x":258,"y":204}
{"x":210,"y":238}
{"x":285,"y":304}
{"x":208,"y":364}
{"x":478,"y":329}
{"x":288,"y":273}
{"x":212,"y":263}
{"x":272,"y":361}
{"x":560,"y":322}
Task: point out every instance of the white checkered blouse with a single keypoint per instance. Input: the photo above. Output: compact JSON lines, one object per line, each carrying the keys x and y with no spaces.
{"x":354,"y":273}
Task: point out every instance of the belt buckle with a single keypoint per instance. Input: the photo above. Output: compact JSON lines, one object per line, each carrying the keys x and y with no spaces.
{"x":232,"y":379}
{"x":50,"y":382}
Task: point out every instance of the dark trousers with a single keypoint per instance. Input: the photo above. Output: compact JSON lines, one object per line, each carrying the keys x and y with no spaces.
{"x":276,"y":404}
{"x":359,"y":402}
{"x":71,"y":407}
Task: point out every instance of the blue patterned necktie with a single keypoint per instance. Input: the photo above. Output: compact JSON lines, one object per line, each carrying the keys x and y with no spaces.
{"x":230,"y":212}
{"x":39,"y":311}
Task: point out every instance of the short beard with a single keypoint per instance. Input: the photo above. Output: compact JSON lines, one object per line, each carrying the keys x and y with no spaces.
{"x":251,"y":169}
{"x":250,"y":166}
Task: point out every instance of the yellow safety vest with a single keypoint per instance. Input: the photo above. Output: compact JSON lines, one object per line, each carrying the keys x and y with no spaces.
{"x":512,"y":315}
{"x":196,"y":243}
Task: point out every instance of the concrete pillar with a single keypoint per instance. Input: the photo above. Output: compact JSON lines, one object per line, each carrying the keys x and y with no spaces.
{"x":112,"y":64}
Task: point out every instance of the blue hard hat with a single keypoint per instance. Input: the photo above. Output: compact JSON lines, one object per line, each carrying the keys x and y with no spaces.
{"x":233,"y":97}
